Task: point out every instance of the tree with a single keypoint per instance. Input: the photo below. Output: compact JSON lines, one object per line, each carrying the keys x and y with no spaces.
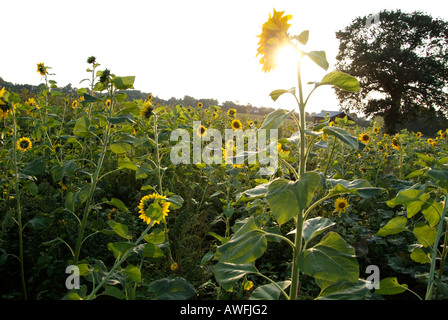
{"x":401,"y":62}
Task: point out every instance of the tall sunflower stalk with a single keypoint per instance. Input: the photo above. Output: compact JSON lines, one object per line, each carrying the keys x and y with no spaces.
{"x":273,"y":38}
{"x":8,"y":108}
{"x":94,"y":180}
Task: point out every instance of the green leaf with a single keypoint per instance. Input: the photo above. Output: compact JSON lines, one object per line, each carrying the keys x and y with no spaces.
{"x":120,"y":147}
{"x":247,"y":244}
{"x":119,"y":249}
{"x":287,"y":199}
{"x":172,"y":289}
{"x":277,"y":93}
{"x":254,"y":193}
{"x":425,"y":234}
{"x":88,"y":98}
{"x":412,"y":199}
{"x":113,"y":292}
{"x":303,"y":37}
{"x":390,"y":286}
{"x":332,"y":260}
{"x":157,"y":236}
{"x":419,"y":256}
{"x":341,"y":80}
{"x":440,"y":176}
{"x":122,"y":119}
{"x":359,"y":187}
{"x":119,"y":204}
{"x":120,"y":229}
{"x":344,"y":291}
{"x":123,"y":83}
{"x":394,"y":226}
{"x":274,"y":120}
{"x":432,"y":211}
{"x":35,"y":167}
{"x":269,"y":291}
{"x":175,"y":201}
{"x":226,"y":274}
{"x":345,"y":137}
{"x":133,"y":272}
{"x":313,"y":227}
{"x":82,"y":126}
{"x":320,"y":58}
{"x":152,"y":251}
{"x":125,"y":163}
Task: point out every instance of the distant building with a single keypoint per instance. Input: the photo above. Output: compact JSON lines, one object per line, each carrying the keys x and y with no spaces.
{"x":330,"y":114}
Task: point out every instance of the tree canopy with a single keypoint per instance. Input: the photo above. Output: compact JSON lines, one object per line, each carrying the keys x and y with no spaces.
{"x":401,"y":62}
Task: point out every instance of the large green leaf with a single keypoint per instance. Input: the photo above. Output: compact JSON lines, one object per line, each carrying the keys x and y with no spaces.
{"x":82,"y":127}
{"x":360,"y":187}
{"x":172,"y":289}
{"x":332,"y":260}
{"x":390,"y":286}
{"x":35,"y":167}
{"x":344,"y":136}
{"x":394,"y":226}
{"x":344,"y":291}
{"x":319,"y":57}
{"x":119,"y":249}
{"x":275,"y":119}
{"x":123,"y":83}
{"x":341,"y":80}
{"x":287,"y":198}
{"x":247,"y":244}
{"x":412,"y":199}
{"x":226,"y":274}
{"x":120,"y":229}
{"x":270,"y":291}
{"x":313,"y":227}
{"x":425,"y":234}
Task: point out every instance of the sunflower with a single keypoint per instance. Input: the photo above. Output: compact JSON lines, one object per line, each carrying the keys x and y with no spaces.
{"x":364,"y":137}
{"x":42,"y":69}
{"x":91,"y":60}
{"x":74,"y":104}
{"x":153,"y":207}
{"x":283,"y":150}
{"x":341,"y":204}
{"x":418,"y":134}
{"x":395,"y":143}
{"x":23,"y":144}
{"x":231,"y":113}
{"x":376,"y":130}
{"x":430,"y":141}
{"x":31,"y":102}
{"x":215,"y":115}
{"x":200,"y":105}
{"x":274,"y":35}
{"x":108,"y":103}
{"x":147,"y":110}
{"x":201,"y":131}
{"x":236,"y":124}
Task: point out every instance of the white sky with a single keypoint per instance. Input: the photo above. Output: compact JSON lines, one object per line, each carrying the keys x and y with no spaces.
{"x":205,"y":49}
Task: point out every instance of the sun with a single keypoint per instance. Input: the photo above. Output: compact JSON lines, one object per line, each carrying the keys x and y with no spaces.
{"x":287,"y":58}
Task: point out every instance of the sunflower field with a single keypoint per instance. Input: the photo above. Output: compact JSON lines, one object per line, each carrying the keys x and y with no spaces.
{"x":92,"y":205}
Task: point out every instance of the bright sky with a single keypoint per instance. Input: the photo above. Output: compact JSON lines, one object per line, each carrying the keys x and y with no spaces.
{"x":205,"y":49}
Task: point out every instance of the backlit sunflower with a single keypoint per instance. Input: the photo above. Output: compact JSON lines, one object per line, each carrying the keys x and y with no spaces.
{"x":236,"y":124}
{"x":153,"y":207}
{"x":5,"y":108}
{"x":364,"y":137}
{"x":283,"y":150}
{"x":341,"y":204}
{"x":231,"y":113}
{"x":42,"y":69}
{"x":147,"y":110}
{"x":24,"y":144}
{"x":201,"y":131}
{"x":274,"y":36}
{"x":395,"y":143}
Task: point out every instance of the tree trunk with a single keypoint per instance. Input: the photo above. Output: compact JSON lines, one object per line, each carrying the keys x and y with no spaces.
{"x":392,"y":116}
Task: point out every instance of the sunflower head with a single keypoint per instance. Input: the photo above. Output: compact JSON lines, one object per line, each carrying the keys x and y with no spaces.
{"x":418,"y":134}
{"x":283,"y":150}
{"x":147,"y":110}
{"x":376,"y":130}
{"x":200,"y":105}
{"x":236,"y":124}
{"x":364,"y":137}
{"x":91,"y":60}
{"x":24,"y":144}
{"x":105,"y":75}
{"x":42,"y":69}
{"x":153,"y":207}
{"x":74,"y":104}
{"x":395,"y":143}
{"x":274,"y":35}
{"x":341,"y":204}
{"x":201,"y":131}
{"x":231,"y":113}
